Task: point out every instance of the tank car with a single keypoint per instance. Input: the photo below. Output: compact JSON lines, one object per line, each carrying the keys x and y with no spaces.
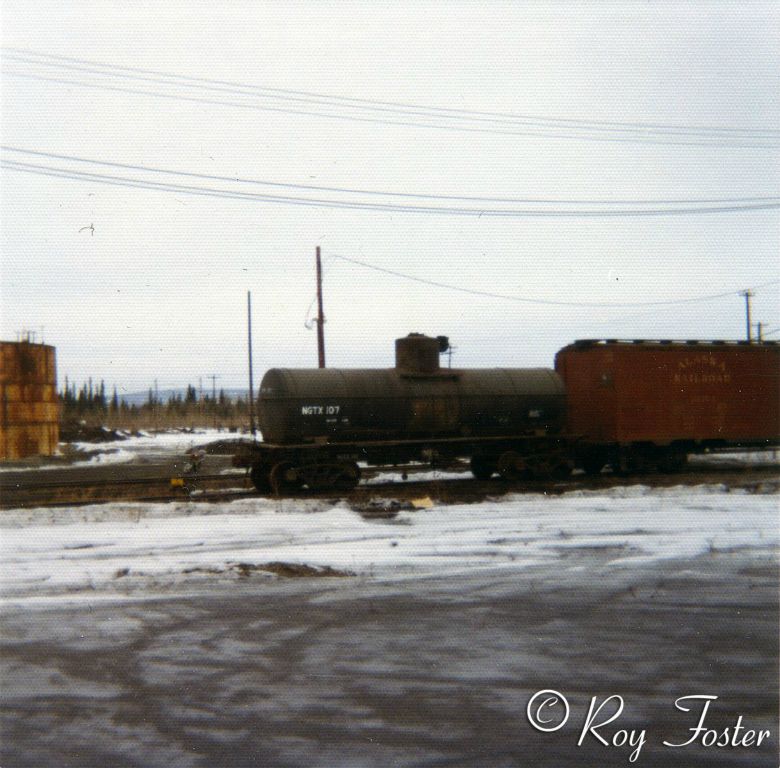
{"x":318,"y":424}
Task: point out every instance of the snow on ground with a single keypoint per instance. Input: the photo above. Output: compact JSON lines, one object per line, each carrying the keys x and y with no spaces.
{"x":144,"y":445}
{"x":141,"y":547}
{"x":417,"y":477}
{"x":171,"y":443}
{"x":114,"y":455}
{"x":754,"y":458}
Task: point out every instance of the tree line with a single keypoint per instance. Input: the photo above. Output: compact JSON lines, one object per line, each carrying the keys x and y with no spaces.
{"x":91,"y":404}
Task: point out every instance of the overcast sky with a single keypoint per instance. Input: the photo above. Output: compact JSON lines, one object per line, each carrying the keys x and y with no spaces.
{"x":630,"y":102}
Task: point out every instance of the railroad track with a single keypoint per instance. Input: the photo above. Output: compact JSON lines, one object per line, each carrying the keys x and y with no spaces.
{"x":227,"y":487}
{"x":75,"y":492}
{"x":29,"y":490}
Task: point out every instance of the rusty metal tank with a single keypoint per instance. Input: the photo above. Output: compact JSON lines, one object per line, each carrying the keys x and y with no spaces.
{"x":417,"y":399}
{"x":29,"y":409}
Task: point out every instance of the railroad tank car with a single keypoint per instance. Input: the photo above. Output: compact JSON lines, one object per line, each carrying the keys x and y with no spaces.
{"x":647,"y":404}
{"x":317,"y":423}
{"x":415,"y":399}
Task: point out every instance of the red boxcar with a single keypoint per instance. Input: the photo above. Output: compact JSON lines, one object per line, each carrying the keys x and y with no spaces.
{"x":633,"y":403}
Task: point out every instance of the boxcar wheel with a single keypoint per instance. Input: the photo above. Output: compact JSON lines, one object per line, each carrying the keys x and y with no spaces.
{"x":561,"y":471}
{"x":482,"y":468}
{"x":592,"y":465}
{"x":673,"y":461}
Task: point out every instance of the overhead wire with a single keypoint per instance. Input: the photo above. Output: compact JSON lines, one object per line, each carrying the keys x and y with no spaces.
{"x":130,"y":182}
{"x":526,"y":125}
{"x":403,"y":123}
{"x":391,"y":194}
{"x":54,"y":60}
{"x":522,"y":126}
{"x":361,"y":204}
{"x":613,"y":321}
{"x":546,"y":302}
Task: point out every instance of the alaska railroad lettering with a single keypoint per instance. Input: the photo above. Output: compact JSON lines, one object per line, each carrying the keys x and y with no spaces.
{"x":702,"y":369}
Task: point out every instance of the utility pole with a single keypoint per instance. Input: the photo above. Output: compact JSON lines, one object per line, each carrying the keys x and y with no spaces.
{"x":320,"y":315}
{"x":748,"y":294}
{"x":214,"y":377}
{"x":251,"y":383}
{"x":155,"y":409}
{"x":759,"y":331}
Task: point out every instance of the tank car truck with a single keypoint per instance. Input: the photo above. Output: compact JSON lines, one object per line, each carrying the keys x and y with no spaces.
{"x":643,"y":405}
{"x":318,"y":425}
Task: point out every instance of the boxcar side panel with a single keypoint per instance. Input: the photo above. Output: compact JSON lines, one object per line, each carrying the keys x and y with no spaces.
{"x":623,"y":392}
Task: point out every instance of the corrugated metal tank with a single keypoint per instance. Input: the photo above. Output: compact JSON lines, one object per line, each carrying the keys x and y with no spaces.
{"x":29,"y":409}
{"x":407,"y":402}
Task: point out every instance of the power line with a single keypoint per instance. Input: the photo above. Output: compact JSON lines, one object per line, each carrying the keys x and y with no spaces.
{"x":50,"y":171}
{"x":54,"y":60}
{"x":373,"y":192}
{"x":546,"y":302}
{"x":403,"y":123}
{"x":548,"y":131}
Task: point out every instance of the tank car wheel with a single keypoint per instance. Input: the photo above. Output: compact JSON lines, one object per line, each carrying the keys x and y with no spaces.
{"x":482,"y":467}
{"x":348,"y":478}
{"x":540,"y":468}
{"x":512,"y":466}
{"x":258,"y":474}
{"x":284,"y":479}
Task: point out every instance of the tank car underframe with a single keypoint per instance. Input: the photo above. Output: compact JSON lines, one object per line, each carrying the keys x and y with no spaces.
{"x":282,"y":469}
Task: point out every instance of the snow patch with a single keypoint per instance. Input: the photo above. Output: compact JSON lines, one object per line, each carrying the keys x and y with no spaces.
{"x":142,"y":547}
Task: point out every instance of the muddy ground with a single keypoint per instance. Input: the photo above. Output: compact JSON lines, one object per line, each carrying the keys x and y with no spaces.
{"x":352,"y":671}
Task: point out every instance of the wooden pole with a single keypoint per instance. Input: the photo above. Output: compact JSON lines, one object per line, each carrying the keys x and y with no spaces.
{"x":252,"y":428}
{"x":320,"y":315}
{"x":748,"y":295}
